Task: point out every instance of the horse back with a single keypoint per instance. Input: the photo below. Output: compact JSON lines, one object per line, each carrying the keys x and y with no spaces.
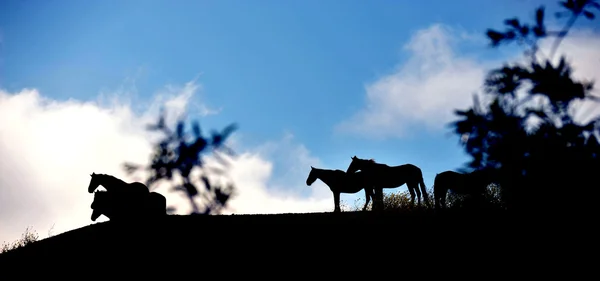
{"x":393,"y":176}
{"x":459,"y":182}
{"x":449,"y":178}
{"x":354,"y":182}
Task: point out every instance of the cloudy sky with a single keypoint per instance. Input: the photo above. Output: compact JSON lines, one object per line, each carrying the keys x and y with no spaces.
{"x":308,"y":82}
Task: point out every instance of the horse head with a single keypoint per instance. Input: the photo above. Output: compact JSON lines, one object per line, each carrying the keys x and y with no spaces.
{"x":358,"y":164}
{"x":94,"y":183}
{"x":312,"y":176}
{"x":101,"y":204}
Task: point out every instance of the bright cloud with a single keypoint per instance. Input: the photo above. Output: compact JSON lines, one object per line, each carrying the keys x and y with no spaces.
{"x":424,"y":91}
{"x":50,"y":147}
{"x":582,"y":50}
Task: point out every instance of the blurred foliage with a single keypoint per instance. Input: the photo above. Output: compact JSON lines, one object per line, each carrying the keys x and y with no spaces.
{"x":29,"y":236}
{"x":526,"y":135}
{"x":180,"y":152}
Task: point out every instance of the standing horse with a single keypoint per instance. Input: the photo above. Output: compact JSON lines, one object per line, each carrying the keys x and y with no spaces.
{"x":113,"y":184}
{"x":383,"y":176}
{"x":473,"y":184}
{"x":340,"y":182}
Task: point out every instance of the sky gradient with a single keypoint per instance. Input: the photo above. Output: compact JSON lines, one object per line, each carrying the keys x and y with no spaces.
{"x":308,"y":82}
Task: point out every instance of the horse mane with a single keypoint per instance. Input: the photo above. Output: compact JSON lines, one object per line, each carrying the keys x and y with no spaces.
{"x":108,"y":176}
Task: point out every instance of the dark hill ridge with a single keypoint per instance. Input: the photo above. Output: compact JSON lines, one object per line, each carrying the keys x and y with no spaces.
{"x":290,"y":236}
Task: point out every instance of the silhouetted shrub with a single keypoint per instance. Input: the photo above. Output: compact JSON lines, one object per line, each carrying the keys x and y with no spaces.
{"x":394,"y":201}
{"x":27,"y":237}
{"x":179,"y":153}
{"x":534,"y":148}
{"x":400,"y":201}
{"x":491,"y":199}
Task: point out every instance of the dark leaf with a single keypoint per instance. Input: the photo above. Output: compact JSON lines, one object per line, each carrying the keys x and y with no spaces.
{"x":191,"y":189}
{"x":179,"y":131}
{"x":514,"y":22}
{"x":185,"y":170}
{"x":219,"y":138}
{"x":223,"y":194}
{"x":495,"y":36}
{"x":199,"y":145}
{"x":539,"y":16}
{"x":206,"y":182}
{"x":196,"y":129}
{"x":524,"y":30}
{"x":568,"y":4}
{"x":539,"y":31}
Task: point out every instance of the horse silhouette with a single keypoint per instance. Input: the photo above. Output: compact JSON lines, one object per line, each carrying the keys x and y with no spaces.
{"x":472,"y":184}
{"x":383,"y":176}
{"x":115,"y":206}
{"x":339,"y":182}
{"x":156,"y":204}
{"x":114,"y":184}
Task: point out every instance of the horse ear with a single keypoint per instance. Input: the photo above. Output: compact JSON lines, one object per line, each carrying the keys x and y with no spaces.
{"x":312,"y":167}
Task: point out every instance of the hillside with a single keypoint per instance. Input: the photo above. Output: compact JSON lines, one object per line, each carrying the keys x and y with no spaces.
{"x":288,"y":237}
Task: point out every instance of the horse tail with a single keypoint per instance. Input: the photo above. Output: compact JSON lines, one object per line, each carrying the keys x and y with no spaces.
{"x":424,"y":189}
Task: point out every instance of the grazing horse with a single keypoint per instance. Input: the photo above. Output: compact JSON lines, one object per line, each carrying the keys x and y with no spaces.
{"x":113,"y":184}
{"x":383,"y":176}
{"x":340,"y":182}
{"x":117,"y":207}
{"x":473,"y":184}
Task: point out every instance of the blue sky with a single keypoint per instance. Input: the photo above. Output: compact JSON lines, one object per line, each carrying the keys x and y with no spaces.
{"x":344,"y":78}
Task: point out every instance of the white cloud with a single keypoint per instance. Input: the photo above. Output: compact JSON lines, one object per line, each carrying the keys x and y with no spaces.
{"x":423,"y":92}
{"x":50,"y":147}
{"x":420,"y":91}
{"x":581,"y":49}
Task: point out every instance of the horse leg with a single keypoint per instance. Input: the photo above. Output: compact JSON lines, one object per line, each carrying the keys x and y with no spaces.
{"x":336,"y":201}
{"x":376,"y":202}
{"x":412,"y":195}
{"x":424,"y":191}
{"x":439,"y":195}
{"x":368,"y":195}
{"x":443,"y":199}
{"x":380,"y":205}
{"x":415,"y":187}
